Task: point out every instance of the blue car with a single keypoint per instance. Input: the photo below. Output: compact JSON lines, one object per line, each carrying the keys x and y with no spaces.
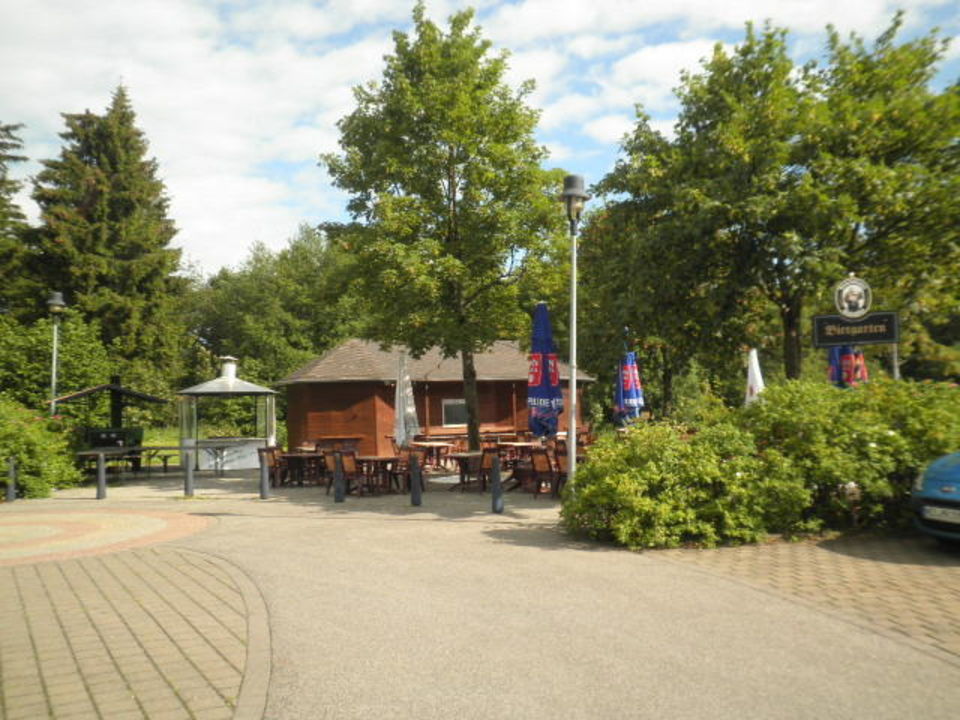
{"x":936,"y":499}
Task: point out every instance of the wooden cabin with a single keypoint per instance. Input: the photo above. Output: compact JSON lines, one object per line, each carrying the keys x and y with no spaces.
{"x":346,"y":396}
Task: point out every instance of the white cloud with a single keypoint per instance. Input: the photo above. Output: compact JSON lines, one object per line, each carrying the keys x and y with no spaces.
{"x":609,"y":129}
{"x":570,"y":109}
{"x":545,"y":66}
{"x":664,"y":127}
{"x":215,"y":113}
{"x":239,"y":97}
{"x":650,"y":74}
{"x":559,"y":151}
{"x":592,"y":46}
{"x":529,"y":21}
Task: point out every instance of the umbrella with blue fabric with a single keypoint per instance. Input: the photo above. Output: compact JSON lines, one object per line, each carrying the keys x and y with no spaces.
{"x":847,"y":366}
{"x":544,"y":395}
{"x":628,"y":396}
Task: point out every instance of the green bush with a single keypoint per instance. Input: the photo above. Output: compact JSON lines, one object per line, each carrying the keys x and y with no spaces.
{"x":808,"y":455}
{"x":857,"y":450}
{"x":661,"y":487}
{"x":39,"y":446}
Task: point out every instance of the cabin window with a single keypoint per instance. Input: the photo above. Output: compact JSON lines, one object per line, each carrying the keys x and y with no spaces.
{"x":454,"y":411}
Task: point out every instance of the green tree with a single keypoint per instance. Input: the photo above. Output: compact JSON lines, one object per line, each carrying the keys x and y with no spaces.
{"x":11,"y":216}
{"x":279,"y":309}
{"x":15,"y":284}
{"x":648,"y":268}
{"x":105,"y":234}
{"x":27,"y":354}
{"x":444,"y":175}
{"x":782,"y":179}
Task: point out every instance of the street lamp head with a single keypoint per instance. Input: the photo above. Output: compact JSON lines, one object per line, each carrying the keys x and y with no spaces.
{"x":574,"y":196}
{"x":56,"y":303}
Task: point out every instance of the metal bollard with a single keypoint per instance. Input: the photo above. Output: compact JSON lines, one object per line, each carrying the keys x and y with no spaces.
{"x":11,"y":479}
{"x":101,"y":477}
{"x":496,"y":486}
{"x":188,"y":479}
{"x":339,"y":489}
{"x":264,"y":478}
{"x":416,"y":481}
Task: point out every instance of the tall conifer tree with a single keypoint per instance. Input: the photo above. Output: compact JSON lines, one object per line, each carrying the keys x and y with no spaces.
{"x":105,"y":234}
{"x":10,"y":215}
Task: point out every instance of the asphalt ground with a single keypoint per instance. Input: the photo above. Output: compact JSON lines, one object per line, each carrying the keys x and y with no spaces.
{"x":147,"y":604}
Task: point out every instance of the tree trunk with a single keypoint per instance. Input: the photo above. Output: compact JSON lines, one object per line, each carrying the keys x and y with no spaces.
{"x":790,"y":317}
{"x":472,"y":399}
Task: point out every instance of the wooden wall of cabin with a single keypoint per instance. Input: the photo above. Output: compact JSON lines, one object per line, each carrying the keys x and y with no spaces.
{"x":502,"y":406}
{"x":318,"y":411}
{"x":365,"y":411}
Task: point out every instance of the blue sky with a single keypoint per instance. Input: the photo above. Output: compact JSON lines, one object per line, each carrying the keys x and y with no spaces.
{"x":239,"y":97}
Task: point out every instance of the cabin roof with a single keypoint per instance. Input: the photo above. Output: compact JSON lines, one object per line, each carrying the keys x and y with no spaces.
{"x":364,"y":361}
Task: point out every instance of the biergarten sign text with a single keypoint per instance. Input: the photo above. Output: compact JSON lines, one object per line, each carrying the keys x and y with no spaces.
{"x":869,"y":329}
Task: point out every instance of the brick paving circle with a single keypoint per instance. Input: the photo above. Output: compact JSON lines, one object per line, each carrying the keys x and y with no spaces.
{"x":157,"y":633}
{"x":33,"y":536}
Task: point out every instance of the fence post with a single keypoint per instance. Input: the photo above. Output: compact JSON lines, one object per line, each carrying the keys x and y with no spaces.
{"x":496,"y":486}
{"x":416,"y":481}
{"x":101,"y":477}
{"x":11,"y":479}
{"x":188,"y":479}
{"x":339,"y":491}
{"x":264,"y":477}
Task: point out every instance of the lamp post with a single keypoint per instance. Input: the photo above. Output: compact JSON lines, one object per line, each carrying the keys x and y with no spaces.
{"x":574,"y":199}
{"x":56,"y":306}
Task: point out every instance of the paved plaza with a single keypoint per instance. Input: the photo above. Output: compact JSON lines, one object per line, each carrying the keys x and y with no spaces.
{"x":149,"y":605}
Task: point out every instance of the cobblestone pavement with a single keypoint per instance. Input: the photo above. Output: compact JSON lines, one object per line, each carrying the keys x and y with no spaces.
{"x":908,"y":587}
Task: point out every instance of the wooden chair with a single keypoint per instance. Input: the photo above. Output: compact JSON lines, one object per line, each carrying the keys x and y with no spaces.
{"x":560,"y":463}
{"x":352,"y":477}
{"x":485,"y":469}
{"x":402,"y":473}
{"x":542,"y":472}
{"x":277,"y":470}
{"x":351,"y":472}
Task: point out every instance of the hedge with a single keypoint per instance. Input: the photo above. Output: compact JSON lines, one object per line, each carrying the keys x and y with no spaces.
{"x":39,"y":446}
{"x":807,"y":456}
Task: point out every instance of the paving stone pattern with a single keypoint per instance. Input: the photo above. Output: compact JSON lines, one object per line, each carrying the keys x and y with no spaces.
{"x":154,"y":633}
{"x":905,"y":586}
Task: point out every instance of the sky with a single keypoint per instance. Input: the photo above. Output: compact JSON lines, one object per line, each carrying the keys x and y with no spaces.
{"x":238,"y":98}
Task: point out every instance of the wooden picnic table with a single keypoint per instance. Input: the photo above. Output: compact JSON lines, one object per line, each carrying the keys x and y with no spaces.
{"x":377,"y":470}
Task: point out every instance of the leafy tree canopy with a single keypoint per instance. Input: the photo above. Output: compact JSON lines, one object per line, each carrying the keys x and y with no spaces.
{"x":454,"y":211}
{"x":279,"y":309}
{"x":781,"y":179}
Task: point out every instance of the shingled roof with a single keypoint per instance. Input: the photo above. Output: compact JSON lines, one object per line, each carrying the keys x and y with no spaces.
{"x":364,"y":361}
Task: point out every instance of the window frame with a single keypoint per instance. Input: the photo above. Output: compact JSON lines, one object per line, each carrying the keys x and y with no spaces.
{"x":452,"y":402}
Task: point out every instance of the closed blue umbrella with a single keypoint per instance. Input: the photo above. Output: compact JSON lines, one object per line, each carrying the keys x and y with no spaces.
{"x":544,"y":396}
{"x":628,"y":396}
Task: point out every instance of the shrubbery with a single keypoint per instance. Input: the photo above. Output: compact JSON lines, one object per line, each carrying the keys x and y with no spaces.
{"x":44,"y":458}
{"x":806,"y":456}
